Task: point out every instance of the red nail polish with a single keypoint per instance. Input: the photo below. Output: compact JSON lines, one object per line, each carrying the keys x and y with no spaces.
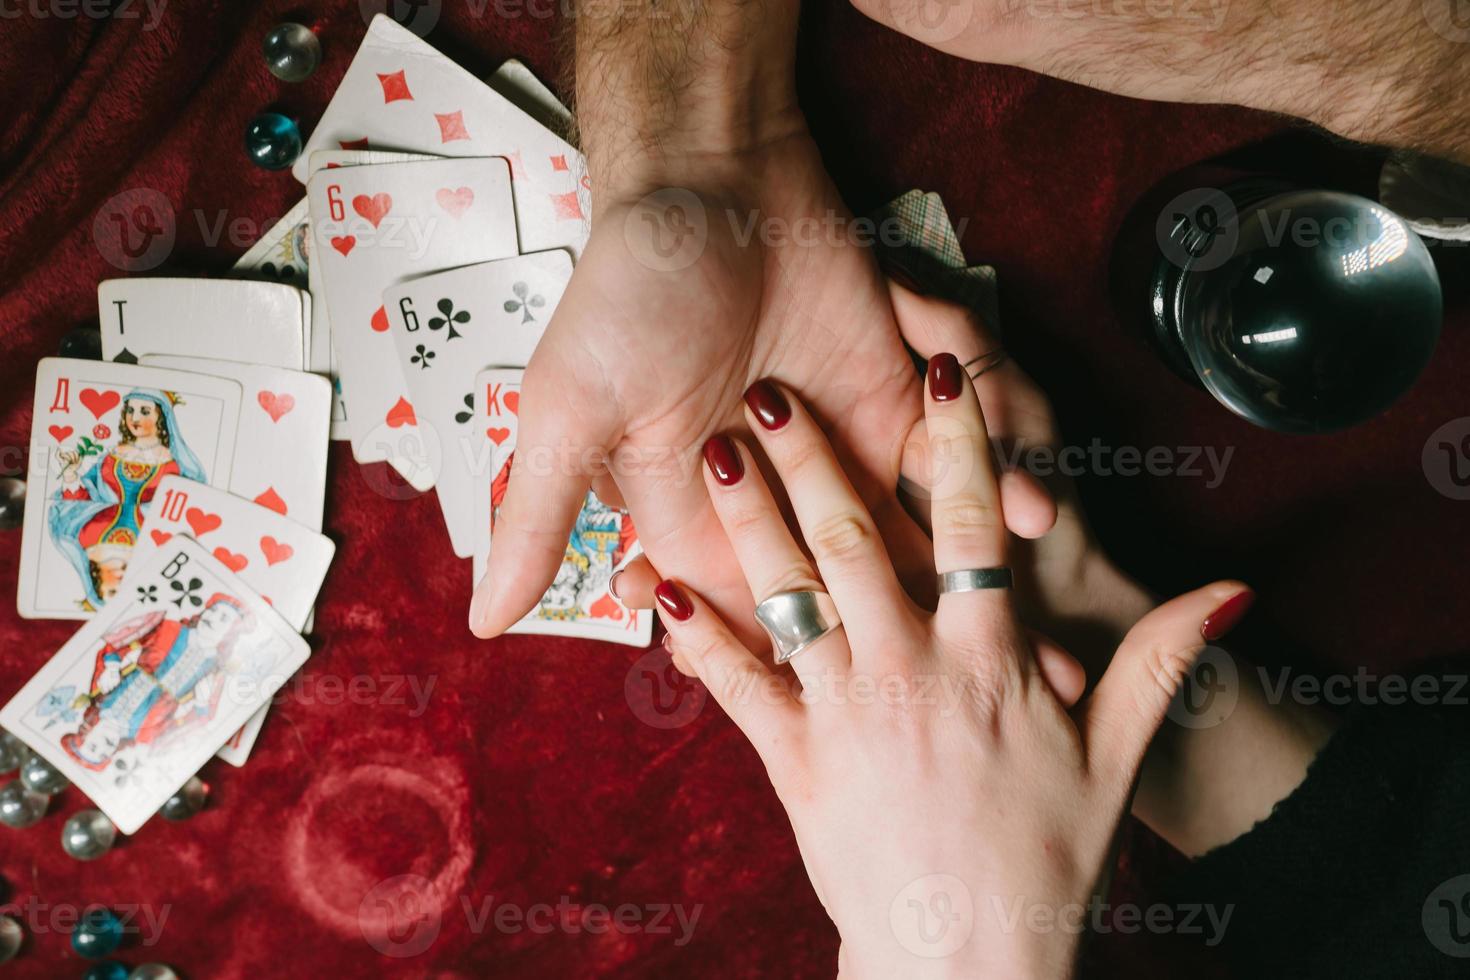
{"x":768,"y":404}
{"x":946,"y":377}
{"x":1228,"y":616}
{"x":723,"y":460}
{"x":673,"y":601}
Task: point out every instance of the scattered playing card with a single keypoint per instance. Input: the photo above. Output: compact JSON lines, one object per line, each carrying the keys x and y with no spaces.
{"x":228,"y":319}
{"x":276,"y":557}
{"x":376,"y":226}
{"x":141,"y":697}
{"x":603,"y":540}
{"x":448,"y":327}
{"x":401,"y":94}
{"x":102,"y":438}
{"x":281,"y":447}
{"x":530,"y":95}
{"x":282,"y":254}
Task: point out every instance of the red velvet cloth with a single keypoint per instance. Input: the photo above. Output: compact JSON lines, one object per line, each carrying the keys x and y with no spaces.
{"x":530,"y":775}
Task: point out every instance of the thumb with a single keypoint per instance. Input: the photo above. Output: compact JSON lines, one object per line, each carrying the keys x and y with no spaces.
{"x":1156,"y":657}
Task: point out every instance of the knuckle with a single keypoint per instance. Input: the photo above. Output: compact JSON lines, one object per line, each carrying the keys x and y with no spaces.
{"x":797,"y":576}
{"x":966,"y":517}
{"x":840,"y":537}
{"x":802,"y":455}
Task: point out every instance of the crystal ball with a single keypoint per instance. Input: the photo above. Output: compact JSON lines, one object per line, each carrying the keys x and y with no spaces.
{"x":1322,"y":309}
{"x":19,"y":807}
{"x":97,"y":934}
{"x":11,"y":937}
{"x":188,"y":801}
{"x":84,"y":343}
{"x":12,"y":752}
{"x":292,"y":52}
{"x":273,"y":141}
{"x":153,"y":971}
{"x":88,"y":835}
{"x":41,"y":776}
{"x":107,"y":970}
{"x":12,"y":509}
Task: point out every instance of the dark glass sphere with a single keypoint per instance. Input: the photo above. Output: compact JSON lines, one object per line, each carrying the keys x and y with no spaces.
{"x":83,"y":342}
{"x":1312,"y":312}
{"x":98,"y":933}
{"x":273,"y":141}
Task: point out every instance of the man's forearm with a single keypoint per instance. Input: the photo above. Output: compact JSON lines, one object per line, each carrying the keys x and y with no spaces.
{"x":667,"y":87}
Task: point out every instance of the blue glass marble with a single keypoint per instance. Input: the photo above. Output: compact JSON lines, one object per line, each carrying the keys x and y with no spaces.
{"x":40,"y":776}
{"x":19,"y":807}
{"x":153,"y":971}
{"x":88,"y":835}
{"x":273,"y":141}
{"x":11,"y":936}
{"x":12,"y":750}
{"x":292,"y":52}
{"x":97,"y":934}
{"x":12,"y":509}
{"x":107,"y":970}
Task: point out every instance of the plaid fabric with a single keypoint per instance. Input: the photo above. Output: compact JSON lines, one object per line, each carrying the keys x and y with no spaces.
{"x":932,"y":256}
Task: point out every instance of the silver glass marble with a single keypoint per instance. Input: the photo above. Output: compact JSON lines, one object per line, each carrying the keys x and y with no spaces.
{"x":292,"y":52}
{"x":88,"y":835}
{"x":189,"y":800}
{"x":11,"y":937}
{"x":153,"y":971}
{"x":19,"y":807}
{"x":12,"y":752}
{"x":41,"y":776}
{"x":796,"y":620}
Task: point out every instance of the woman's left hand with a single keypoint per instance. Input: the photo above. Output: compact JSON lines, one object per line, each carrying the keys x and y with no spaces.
{"x":939,"y":789}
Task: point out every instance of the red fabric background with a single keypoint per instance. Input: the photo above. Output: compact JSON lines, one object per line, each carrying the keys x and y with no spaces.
{"x":531,"y":775}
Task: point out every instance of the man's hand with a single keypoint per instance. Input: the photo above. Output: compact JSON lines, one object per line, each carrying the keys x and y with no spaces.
{"x":1382,"y":71}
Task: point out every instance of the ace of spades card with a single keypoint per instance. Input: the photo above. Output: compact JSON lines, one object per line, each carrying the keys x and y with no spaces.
{"x":143,"y":695}
{"x":401,"y":94}
{"x":103,"y":436}
{"x":603,"y":540}
{"x":447,"y":328}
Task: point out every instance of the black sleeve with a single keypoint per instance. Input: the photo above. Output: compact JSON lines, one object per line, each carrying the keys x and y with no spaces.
{"x":1364,"y":871}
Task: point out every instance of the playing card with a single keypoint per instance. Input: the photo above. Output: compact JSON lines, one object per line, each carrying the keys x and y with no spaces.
{"x":447,"y":328}
{"x":281,"y":446}
{"x":401,"y":94}
{"x":276,"y":557}
{"x":102,"y":438}
{"x":141,"y":697}
{"x":376,"y":226}
{"x":228,"y":319}
{"x":530,"y":95}
{"x":333,"y":159}
{"x":282,"y":254}
{"x":603,"y":540}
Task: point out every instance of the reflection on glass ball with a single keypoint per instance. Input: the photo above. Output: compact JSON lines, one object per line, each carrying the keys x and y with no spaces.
{"x":21,"y":808}
{"x":187,"y":801}
{"x":12,"y":508}
{"x":83,"y":343}
{"x":11,"y":937}
{"x":88,"y":835}
{"x":41,"y":776}
{"x":272,"y":141}
{"x":153,"y":971}
{"x":292,"y":52}
{"x":12,"y":752}
{"x":1321,"y":311}
{"x":107,"y":970}
{"x":98,"y":933}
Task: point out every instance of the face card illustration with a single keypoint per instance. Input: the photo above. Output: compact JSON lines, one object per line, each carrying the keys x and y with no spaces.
{"x":450,"y":326}
{"x":376,"y":226}
{"x":228,"y":319}
{"x":401,"y":94}
{"x":103,"y":437}
{"x":603,"y":539}
{"x":282,"y":254}
{"x":147,"y":692}
{"x":281,"y":446}
{"x":277,"y":558}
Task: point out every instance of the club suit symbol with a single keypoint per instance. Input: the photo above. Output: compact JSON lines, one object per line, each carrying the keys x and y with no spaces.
{"x":524,"y":302}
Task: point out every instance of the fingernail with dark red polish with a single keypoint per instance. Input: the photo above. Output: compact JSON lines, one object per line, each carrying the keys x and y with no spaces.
{"x":768,"y":404}
{"x":946,"y":377}
{"x":1228,"y":616}
{"x":674,"y":602}
{"x":723,"y":460}
{"x":612,"y":584}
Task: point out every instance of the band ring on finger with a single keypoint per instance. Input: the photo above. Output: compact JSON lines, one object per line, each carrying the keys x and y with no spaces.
{"x":988,"y":361}
{"x":975,"y":580}
{"x":796,"y":620}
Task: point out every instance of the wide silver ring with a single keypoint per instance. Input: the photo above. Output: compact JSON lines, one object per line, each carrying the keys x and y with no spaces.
{"x":975,"y":579}
{"x":796,"y":620}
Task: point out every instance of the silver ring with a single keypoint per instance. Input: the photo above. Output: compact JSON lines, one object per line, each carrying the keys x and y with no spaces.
{"x":796,"y":620}
{"x":975,"y":579}
{"x":988,"y":361}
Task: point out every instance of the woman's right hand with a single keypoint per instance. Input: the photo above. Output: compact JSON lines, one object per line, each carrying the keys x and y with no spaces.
{"x":71,"y":462}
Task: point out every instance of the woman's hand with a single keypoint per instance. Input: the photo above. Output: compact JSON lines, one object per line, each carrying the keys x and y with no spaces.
{"x":935,"y":783}
{"x":71,"y":462}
